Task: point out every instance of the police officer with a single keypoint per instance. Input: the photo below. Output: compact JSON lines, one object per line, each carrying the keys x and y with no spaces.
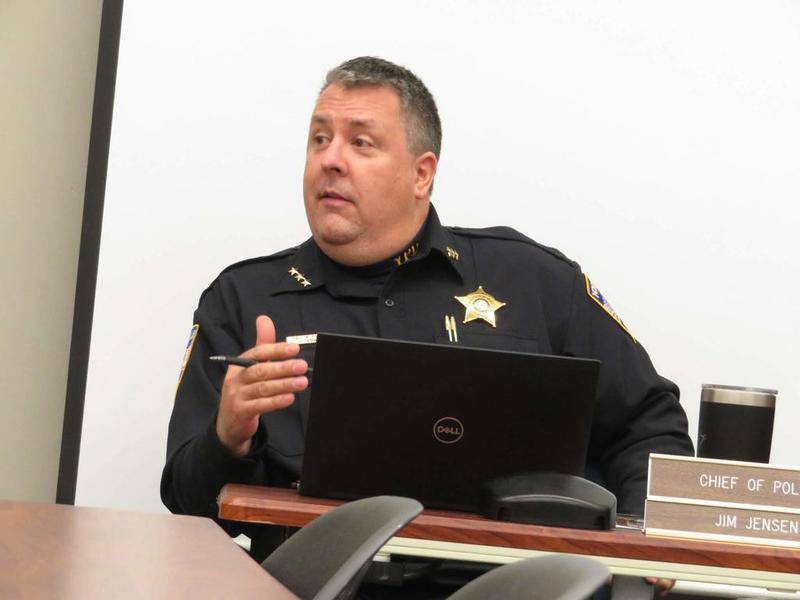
{"x":379,"y":263}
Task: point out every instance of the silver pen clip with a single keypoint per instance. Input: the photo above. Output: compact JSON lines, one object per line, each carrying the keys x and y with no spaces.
{"x":450,"y":326}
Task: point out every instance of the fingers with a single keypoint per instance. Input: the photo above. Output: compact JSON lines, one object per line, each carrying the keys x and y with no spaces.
{"x":273,"y":370}
{"x":663,"y":585}
{"x":260,"y":406}
{"x":272,"y":387}
{"x":265,"y":330}
{"x":272,"y":351}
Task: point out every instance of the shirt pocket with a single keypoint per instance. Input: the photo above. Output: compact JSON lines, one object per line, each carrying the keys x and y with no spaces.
{"x":491,"y":341}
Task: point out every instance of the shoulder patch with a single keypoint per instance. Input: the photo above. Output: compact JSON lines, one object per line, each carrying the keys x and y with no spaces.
{"x":509,"y":234}
{"x":597,"y":296}
{"x":188,"y":352}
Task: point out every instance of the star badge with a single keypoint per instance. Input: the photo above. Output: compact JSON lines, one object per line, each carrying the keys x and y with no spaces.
{"x":480,"y":304}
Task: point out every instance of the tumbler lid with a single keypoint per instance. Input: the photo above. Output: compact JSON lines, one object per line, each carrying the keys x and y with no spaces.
{"x":734,"y":394}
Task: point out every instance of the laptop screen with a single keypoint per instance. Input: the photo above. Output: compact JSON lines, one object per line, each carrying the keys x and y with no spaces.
{"x":435,"y":422}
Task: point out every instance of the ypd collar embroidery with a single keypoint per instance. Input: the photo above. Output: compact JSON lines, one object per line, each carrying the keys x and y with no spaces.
{"x":406,"y":255}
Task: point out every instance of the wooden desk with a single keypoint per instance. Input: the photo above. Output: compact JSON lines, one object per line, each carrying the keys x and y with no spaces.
{"x":462,"y":536}
{"x":56,"y":551}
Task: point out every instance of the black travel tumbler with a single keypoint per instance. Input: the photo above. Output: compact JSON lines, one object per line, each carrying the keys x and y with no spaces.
{"x":736,"y":423}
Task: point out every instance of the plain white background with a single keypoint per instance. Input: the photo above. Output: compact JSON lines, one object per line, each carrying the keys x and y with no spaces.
{"x":657,"y":144}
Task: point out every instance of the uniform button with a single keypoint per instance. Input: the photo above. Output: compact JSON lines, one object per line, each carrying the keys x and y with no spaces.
{"x":389,"y":302}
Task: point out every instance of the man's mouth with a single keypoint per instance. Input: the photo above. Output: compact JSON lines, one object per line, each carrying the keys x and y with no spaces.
{"x":332,"y":195}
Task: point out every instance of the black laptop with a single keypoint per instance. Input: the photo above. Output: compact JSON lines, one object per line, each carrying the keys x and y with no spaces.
{"x":434,"y":422}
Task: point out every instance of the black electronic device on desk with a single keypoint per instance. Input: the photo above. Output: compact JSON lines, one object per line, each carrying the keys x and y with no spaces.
{"x":552,"y":499}
{"x":436,"y":422}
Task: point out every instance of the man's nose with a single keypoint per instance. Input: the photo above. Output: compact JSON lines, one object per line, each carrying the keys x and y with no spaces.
{"x":333,"y":159}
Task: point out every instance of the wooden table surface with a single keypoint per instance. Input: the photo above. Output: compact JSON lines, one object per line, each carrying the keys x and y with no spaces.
{"x":65,"y":552}
{"x":286,"y":507}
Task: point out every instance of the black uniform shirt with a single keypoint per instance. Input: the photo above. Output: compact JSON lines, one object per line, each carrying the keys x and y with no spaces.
{"x":550,"y":308}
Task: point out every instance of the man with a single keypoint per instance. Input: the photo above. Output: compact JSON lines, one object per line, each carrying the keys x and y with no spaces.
{"x":380,"y":264}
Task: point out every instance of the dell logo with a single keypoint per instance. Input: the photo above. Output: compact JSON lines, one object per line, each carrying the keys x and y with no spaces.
{"x":448,"y":430}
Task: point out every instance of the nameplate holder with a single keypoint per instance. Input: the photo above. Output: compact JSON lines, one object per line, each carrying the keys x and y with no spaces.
{"x":720,"y":522}
{"x":701,"y":480}
{"x":723,"y":500}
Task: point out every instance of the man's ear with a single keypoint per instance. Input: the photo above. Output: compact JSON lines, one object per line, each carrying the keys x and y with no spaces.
{"x":425,"y":169}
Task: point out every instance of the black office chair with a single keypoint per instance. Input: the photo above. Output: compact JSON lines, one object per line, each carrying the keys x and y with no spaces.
{"x":327,"y":559}
{"x":553,"y":577}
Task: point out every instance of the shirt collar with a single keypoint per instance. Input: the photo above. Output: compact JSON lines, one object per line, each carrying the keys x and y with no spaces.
{"x":308,"y":268}
{"x":442,"y":240}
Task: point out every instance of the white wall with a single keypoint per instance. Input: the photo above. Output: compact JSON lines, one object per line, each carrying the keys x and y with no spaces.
{"x":48,"y":55}
{"x":655,"y":143}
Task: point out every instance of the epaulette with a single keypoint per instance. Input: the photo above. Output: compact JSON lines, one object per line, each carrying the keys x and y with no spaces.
{"x":510,"y":234}
{"x":249,"y":261}
{"x":260,"y":259}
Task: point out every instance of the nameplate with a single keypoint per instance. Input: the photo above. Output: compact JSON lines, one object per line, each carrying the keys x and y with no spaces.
{"x":308,"y":338}
{"x":752,"y":485}
{"x":723,"y":523}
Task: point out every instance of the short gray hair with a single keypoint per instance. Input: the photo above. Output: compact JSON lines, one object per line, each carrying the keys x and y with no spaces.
{"x":423,"y":127}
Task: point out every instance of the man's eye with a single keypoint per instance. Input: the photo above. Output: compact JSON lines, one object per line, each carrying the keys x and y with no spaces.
{"x":318,"y":140}
{"x":362,"y":143}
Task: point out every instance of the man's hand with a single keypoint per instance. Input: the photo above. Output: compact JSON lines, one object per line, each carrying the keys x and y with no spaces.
{"x":663,"y":586}
{"x":247,"y":393}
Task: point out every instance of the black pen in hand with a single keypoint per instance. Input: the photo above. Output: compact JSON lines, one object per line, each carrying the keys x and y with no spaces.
{"x":243,"y":362}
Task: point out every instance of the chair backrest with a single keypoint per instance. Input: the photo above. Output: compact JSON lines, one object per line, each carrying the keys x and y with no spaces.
{"x":326,"y":558}
{"x":553,"y":577}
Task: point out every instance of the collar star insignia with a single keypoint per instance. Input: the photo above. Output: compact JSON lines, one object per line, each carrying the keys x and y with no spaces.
{"x":299,"y":277}
{"x":480,"y":304}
